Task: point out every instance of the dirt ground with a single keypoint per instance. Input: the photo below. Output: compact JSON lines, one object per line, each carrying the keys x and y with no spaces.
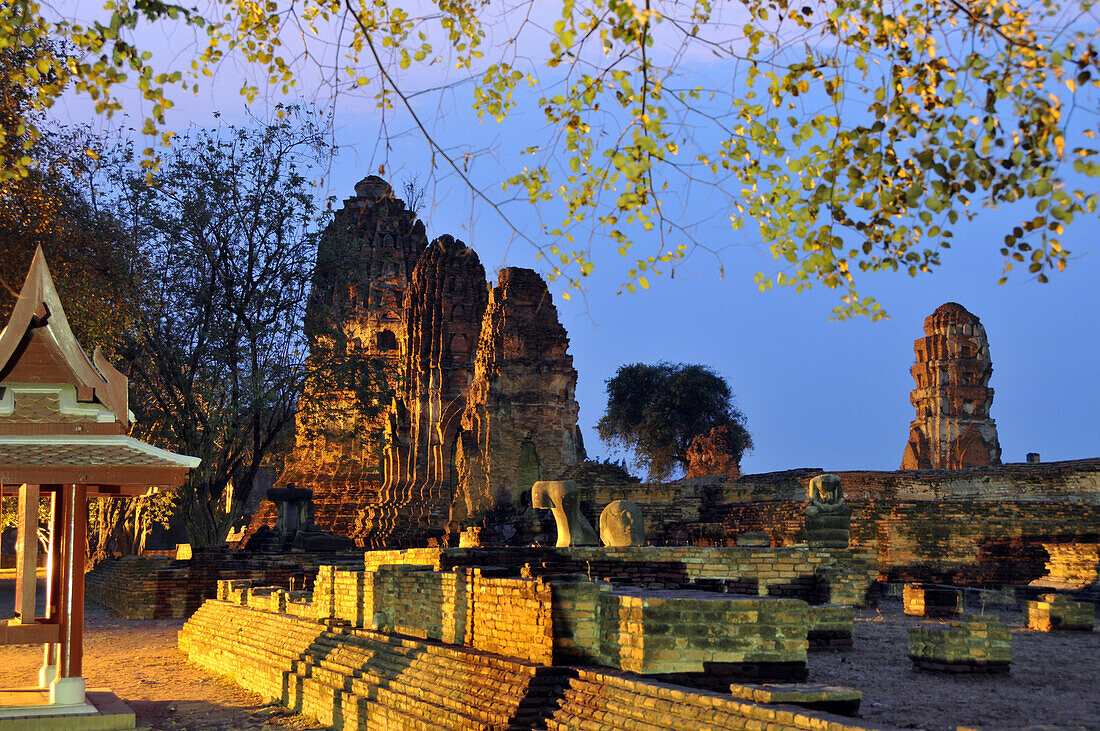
{"x":1054,"y":683}
{"x":138,"y":660}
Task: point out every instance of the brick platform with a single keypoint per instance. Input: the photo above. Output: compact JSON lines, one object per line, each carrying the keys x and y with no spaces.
{"x":360,"y":679}
{"x":1059,"y":612}
{"x":703,"y":636}
{"x":969,"y":645}
{"x":831,"y":698}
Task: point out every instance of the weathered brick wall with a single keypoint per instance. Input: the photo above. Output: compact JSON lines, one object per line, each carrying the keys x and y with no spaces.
{"x":160,"y":588}
{"x":357,"y":679}
{"x":511,"y":617}
{"x":417,"y":601}
{"x":1072,"y":565}
{"x":978,"y":526}
{"x":970,"y":543}
{"x":663,"y":505}
{"x":401,"y":557}
{"x":1069,"y":481}
{"x":790,"y":571}
{"x":575,"y":609}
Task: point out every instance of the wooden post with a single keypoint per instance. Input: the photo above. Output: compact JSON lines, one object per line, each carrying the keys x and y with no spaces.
{"x":51,"y":650}
{"x":75,"y":511}
{"x":53,"y":563}
{"x":26,"y":553}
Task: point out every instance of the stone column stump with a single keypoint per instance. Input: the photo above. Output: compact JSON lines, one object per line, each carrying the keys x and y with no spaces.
{"x":1059,"y":612}
{"x":968,"y":645}
{"x":930,"y":600}
{"x":830,"y":626}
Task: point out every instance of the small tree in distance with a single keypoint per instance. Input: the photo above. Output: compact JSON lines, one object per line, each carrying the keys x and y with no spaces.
{"x":657,"y":410}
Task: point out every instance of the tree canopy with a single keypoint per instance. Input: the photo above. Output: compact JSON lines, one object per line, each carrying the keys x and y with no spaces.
{"x":657,"y":410}
{"x":218,"y":354}
{"x":848,"y":136}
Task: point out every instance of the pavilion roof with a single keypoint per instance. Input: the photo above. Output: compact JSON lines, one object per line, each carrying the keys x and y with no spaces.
{"x":63,"y":415}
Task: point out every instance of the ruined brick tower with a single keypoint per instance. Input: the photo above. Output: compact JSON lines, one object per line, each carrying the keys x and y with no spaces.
{"x":520,"y":422}
{"x":953,"y":429}
{"x":483,"y":387}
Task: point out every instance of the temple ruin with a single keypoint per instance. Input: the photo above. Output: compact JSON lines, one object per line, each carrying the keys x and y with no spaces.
{"x":709,"y":594}
{"x":953,"y":429}
{"x":482,"y":385}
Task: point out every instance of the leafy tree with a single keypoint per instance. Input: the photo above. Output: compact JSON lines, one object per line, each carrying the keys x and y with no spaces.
{"x":92,"y":263}
{"x":48,"y":207}
{"x":218,"y":357}
{"x":852,"y":136}
{"x":656,"y":411}
{"x":9,"y":516}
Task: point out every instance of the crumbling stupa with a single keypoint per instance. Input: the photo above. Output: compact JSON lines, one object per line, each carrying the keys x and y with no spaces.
{"x":483,"y":386}
{"x":953,"y":429}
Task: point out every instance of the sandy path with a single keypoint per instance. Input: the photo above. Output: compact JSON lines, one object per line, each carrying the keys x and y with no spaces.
{"x":139,"y":661}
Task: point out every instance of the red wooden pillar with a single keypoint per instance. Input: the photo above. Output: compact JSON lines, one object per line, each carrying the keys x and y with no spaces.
{"x":53,"y":582}
{"x":75,"y":512}
{"x":54,"y":557}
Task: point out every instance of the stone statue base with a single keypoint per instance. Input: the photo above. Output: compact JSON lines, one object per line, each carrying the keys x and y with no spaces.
{"x":829,"y":529}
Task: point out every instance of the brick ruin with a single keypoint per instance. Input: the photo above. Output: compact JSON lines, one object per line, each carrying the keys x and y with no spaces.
{"x":482,"y":385}
{"x":991,"y":526}
{"x":520,"y":420}
{"x":678,"y":634}
{"x":709,"y":454}
{"x":459,"y":638}
{"x":953,"y":429}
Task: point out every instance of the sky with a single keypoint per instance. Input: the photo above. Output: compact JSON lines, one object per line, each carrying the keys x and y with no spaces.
{"x":814,"y":392}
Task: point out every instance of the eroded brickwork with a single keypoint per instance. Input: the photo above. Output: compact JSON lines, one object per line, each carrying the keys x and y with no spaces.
{"x":351,"y":678}
{"x":953,"y":428}
{"x":520,"y":422}
{"x":364,"y":262}
{"x":709,"y":454}
{"x":974,"y":527}
{"x":479,"y":382}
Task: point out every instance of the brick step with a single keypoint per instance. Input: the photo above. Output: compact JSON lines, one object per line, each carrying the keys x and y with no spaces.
{"x":418,"y":680}
{"x":589,"y":697}
{"x":327,"y":686}
{"x":443,"y":670}
{"x":494,"y":701}
{"x":414,"y":705}
{"x":385,"y":718}
{"x":475,"y":680}
{"x":430,"y":677}
{"x":630,"y":704}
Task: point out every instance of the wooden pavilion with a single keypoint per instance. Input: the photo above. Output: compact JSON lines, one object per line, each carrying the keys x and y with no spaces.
{"x":64,"y":420}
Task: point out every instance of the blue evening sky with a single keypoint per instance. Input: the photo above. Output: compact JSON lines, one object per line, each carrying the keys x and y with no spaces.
{"x":814,"y":392}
